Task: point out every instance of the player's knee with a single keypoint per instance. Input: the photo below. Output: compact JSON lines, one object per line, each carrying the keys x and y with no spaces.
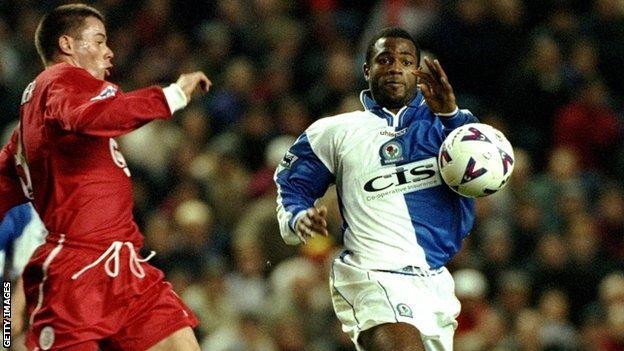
{"x":392,"y":337}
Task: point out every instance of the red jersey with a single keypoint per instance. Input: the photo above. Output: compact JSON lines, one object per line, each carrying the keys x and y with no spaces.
{"x":63,"y":155}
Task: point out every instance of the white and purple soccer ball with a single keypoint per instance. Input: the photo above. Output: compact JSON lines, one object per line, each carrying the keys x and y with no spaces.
{"x":476,"y":160}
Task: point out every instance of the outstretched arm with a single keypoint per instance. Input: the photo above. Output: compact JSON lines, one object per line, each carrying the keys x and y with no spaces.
{"x":112,"y":113}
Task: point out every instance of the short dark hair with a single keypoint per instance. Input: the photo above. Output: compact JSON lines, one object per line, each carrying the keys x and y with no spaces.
{"x":390,"y":32}
{"x":65,"y":19}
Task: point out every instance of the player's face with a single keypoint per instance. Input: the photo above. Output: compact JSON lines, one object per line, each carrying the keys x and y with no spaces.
{"x":391,"y":72}
{"x":91,"y":51}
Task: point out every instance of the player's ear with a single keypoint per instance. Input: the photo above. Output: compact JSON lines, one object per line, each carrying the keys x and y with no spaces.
{"x":366,"y":69}
{"x":66,"y":44}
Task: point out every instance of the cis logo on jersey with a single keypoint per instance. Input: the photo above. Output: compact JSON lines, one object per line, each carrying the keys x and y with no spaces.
{"x":288,"y":160}
{"x":391,"y":152}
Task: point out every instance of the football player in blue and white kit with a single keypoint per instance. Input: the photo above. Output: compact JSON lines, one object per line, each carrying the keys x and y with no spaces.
{"x":21,"y":232}
{"x":401,"y":224}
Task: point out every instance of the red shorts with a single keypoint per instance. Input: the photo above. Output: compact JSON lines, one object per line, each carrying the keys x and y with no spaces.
{"x":97,"y":309}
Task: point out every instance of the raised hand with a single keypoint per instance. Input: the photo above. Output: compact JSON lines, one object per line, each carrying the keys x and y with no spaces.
{"x":313,"y":222}
{"x":436,"y":88}
{"x":190,"y":81}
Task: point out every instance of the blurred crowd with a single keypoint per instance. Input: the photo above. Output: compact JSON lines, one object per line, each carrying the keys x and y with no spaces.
{"x":543,"y":268}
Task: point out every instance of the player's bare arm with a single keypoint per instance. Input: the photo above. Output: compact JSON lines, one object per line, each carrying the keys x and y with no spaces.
{"x":190,"y":81}
{"x":436,"y":88}
{"x":312,"y":223}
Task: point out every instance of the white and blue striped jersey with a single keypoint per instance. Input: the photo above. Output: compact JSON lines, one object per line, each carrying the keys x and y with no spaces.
{"x":395,"y":208}
{"x":21,"y":232}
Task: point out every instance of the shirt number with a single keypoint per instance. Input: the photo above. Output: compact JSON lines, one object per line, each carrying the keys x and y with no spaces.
{"x":22,"y":166}
{"x":118,"y":158}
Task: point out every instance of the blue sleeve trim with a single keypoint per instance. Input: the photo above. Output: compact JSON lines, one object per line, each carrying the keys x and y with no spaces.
{"x":459,"y":119}
{"x":304,"y":180}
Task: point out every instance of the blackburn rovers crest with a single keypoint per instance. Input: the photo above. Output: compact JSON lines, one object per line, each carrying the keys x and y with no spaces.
{"x":391,"y":152}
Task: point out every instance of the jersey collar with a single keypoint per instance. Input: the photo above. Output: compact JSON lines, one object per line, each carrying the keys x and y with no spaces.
{"x":371,"y":105}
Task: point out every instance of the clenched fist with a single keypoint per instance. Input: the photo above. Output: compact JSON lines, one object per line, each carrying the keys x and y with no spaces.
{"x":188,"y":82}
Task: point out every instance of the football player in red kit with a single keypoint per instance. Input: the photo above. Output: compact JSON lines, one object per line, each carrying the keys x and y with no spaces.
{"x":86,"y":287}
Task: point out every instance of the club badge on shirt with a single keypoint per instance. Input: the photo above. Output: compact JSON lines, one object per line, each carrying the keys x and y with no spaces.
{"x":391,"y":152}
{"x":46,"y":337}
{"x":109,"y":91}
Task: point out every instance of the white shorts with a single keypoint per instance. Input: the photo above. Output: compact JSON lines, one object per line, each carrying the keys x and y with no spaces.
{"x":363,"y":299}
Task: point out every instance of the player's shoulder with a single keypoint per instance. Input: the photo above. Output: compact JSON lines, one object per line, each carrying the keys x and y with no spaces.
{"x":68,"y":75}
{"x":61,"y":71}
{"x":340,"y":121}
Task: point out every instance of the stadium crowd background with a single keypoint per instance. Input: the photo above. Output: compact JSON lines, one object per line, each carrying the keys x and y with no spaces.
{"x":542,"y":269}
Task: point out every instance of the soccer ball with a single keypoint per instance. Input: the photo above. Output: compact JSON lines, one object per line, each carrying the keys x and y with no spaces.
{"x":476,"y":160}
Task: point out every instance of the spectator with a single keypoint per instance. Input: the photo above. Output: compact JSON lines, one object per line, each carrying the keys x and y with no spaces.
{"x":590,"y":127}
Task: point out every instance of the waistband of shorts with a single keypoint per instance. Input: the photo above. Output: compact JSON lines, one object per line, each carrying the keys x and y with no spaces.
{"x":407,"y":270}
{"x":413,"y":270}
{"x":60,"y":238}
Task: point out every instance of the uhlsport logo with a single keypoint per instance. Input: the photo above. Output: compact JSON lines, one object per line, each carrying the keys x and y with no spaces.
{"x":391,"y":152}
{"x":392,"y":133}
